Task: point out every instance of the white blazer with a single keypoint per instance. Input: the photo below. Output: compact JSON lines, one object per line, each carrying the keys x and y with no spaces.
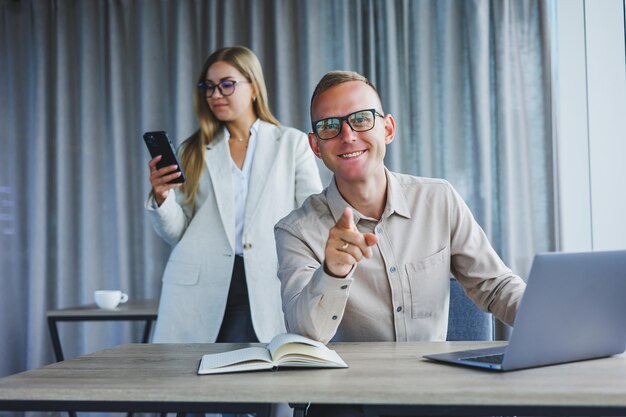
{"x":197,"y":275}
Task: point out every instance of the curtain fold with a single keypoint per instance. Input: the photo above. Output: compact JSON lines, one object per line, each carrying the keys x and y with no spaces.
{"x":80,"y":81}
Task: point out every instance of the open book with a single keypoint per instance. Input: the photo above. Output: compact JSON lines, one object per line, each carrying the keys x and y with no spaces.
{"x":285,"y":350}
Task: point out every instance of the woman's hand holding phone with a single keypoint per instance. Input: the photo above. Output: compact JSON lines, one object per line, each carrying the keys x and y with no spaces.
{"x":161,"y":179}
{"x":165,"y":171}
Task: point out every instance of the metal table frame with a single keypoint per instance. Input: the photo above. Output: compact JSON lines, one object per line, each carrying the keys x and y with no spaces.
{"x":134,"y":310}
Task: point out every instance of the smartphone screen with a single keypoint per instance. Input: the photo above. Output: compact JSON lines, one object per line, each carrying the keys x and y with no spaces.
{"x":159,"y":144}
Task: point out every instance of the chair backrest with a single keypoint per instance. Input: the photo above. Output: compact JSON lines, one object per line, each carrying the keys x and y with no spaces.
{"x":465,"y":320}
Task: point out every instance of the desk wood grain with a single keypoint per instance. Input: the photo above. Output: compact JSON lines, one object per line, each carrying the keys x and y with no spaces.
{"x":161,"y":377}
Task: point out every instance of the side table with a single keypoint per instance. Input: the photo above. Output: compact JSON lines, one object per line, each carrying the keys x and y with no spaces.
{"x":133,"y":310}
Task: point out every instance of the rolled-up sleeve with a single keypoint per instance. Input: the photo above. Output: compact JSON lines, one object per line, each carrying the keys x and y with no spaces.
{"x":313,"y":301}
{"x":477,"y":266}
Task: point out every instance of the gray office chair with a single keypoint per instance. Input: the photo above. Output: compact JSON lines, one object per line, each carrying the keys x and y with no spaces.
{"x":465,"y":320}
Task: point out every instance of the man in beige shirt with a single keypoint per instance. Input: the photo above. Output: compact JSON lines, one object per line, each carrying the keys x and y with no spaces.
{"x":369,"y":259}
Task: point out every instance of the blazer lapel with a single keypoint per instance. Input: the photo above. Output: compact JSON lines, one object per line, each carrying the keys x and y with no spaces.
{"x":267,"y":146}
{"x":217,"y":159}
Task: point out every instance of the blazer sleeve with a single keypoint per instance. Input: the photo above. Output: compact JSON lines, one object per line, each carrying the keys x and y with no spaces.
{"x":307,"y":173}
{"x":170,"y":220}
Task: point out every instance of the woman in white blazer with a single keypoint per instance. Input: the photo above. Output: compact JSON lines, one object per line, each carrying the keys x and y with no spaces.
{"x":243,"y":173}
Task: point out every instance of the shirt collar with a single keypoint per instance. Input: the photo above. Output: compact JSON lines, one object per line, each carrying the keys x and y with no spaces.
{"x":396,"y":203}
{"x":254,"y":129}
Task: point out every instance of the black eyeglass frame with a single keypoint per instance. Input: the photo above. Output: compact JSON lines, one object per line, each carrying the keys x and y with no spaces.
{"x":347,"y":119}
{"x":204,"y":87}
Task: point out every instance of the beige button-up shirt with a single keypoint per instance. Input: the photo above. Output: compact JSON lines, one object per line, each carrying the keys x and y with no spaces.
{"x":426,"y":234}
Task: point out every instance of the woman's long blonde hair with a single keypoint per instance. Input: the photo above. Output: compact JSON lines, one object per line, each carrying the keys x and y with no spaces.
{"x":192,"y":152}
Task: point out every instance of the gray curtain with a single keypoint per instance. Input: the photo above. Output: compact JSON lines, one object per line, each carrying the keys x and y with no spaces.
{"x":80,"y":80}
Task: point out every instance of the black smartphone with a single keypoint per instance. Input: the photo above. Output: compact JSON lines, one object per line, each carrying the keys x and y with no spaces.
{"x":159,"y":144}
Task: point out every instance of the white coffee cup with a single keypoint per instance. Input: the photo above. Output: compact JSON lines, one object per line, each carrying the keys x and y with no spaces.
{"x":109,"y":299}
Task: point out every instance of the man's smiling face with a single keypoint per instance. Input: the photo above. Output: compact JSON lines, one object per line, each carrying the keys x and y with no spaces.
{"x":352,"y":156}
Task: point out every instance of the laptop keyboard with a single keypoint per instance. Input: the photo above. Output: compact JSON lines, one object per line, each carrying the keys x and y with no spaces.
{"x":495,"y":359}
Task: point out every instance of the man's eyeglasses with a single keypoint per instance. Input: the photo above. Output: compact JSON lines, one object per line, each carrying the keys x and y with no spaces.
{"x":359,"y":121}
{"x":226,"y":87}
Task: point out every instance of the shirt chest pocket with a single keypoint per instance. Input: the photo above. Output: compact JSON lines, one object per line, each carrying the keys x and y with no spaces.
{"x":429,"y":281}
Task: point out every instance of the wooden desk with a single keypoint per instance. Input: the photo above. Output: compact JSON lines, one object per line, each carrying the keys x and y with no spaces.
{"x":133,"y":310}
{"x":162,"y":378}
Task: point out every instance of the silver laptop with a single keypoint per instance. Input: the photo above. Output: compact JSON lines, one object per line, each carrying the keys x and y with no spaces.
{"x":574,"y":308}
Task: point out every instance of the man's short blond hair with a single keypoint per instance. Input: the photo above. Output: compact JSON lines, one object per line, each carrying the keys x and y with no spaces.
{"x":333,"y":78}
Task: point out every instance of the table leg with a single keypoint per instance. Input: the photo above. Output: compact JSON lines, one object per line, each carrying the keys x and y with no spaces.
{"x":299,"y":410}
{"x":56,"y":342}
{"x":146,"y":331}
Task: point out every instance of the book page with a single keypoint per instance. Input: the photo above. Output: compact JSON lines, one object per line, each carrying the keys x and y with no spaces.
{"x":298,"y":354}
{"x":294,"y":350}
{"x":239,"y":360}
{"x":285,"y":338}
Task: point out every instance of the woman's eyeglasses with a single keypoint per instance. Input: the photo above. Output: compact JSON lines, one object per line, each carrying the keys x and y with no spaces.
{"x":226,"y":87}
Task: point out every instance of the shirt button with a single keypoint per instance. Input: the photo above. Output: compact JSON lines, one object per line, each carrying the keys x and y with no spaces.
{"x":247,"y":245}
{"x":334,"y":317}
{"x":343,"y":287}
{"x":392,"y":269}
{"x":379,"y":229}
{"x":399,"y":309}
